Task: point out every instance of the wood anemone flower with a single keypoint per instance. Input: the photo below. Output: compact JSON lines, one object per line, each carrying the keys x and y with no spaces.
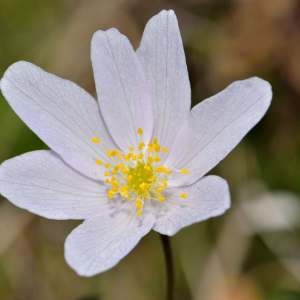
{"x":136,"y":159}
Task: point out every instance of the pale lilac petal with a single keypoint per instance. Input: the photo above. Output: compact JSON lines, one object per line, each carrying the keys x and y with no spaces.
{"x":123,"y":94}
{"x":98,"y":244}
{"x":62,"y":114}
{"x":162,"y":55}
{"x":207,"y":198}
{"x":43,"y":184}
{"x":216,"y":126}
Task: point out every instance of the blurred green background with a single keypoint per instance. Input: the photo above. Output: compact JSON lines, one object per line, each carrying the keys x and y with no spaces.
{"x":252,"y":252}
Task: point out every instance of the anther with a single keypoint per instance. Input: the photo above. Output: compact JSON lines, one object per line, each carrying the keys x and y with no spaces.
{"x":96,"y":140}
{"x":184,"y":171}
{"x":183,"y":195}
{"x":98,"y":162}
{"x":140,"y":131}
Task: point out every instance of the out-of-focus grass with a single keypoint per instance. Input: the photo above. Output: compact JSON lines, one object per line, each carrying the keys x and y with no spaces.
{"x":24,"y":26}
{"x":224,"y":41}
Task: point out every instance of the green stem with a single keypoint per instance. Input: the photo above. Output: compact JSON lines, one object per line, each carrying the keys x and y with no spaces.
{"x":169,"y":266}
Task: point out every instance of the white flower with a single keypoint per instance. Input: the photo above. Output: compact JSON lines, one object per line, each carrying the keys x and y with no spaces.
{"x":136,"y":160}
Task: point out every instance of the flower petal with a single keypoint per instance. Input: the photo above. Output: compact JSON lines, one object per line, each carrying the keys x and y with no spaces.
{"x":43,"y":184}
{"x":207,"y":198}
{"x":62,"y":114}
{"x":122,"y":90}
{"x":162,"y":55}
{"x":216,"y":126}
{"x":98,"y":244}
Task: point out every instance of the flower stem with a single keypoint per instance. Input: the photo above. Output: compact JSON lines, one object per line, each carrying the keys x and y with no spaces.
{"x":169,"y":266}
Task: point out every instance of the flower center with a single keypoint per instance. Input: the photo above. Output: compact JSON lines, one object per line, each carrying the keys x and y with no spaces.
{"x":137,"y":175}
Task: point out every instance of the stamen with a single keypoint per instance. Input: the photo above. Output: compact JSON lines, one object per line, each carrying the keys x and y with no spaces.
{"x":165,"y":150}
{"x":99,"y":162}
{"x":184,"y":171}
{"x":183,"y":195}
{"x":112,"y":153}
{"x":96,"y":140}
{"x":141,"y":145}
{"x":139,"y":203}
{"x":140,"y":131}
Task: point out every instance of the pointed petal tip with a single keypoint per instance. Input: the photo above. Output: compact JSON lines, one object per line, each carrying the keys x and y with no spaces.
{"x":265,"y":89}
{"x":99,"y":34}
{"x":82,"y":272}
{"x":98,"y":244}
{"x":16,"y":65}
{"x":226,"y":191}
{"x":18,"y":69}
{"x":96,"y":35}
{"x":10,"y":69}
{"x":262,"y":85}
{"x":167,"y":12}
{"x":72,"y":261}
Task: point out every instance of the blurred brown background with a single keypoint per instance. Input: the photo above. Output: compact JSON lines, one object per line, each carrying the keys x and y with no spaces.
{"x":252,"y":252}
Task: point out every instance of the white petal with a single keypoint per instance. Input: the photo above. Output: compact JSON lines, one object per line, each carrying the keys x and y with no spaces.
{"x":207,"y":198}
{"x":217,"y":125}
{"x":162,"y":55}
{"x":98,"y":244}
{"x":62,"y":114}
{"x":123,"y":94}
{"x":43,"y":184}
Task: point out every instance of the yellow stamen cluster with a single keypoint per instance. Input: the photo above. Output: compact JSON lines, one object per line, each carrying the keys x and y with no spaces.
{"x":138,"y":174}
